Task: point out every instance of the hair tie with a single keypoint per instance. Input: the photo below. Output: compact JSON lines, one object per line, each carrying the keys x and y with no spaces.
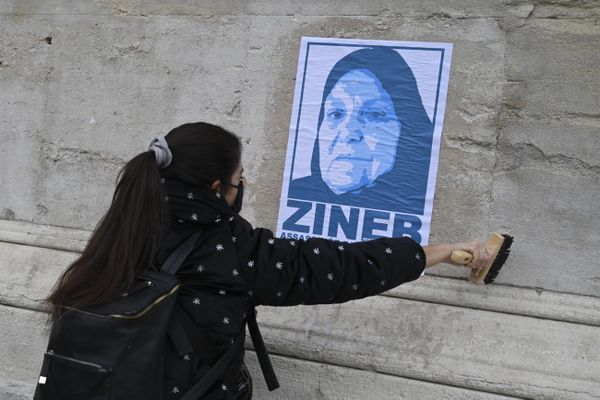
{"x":161,"y":150}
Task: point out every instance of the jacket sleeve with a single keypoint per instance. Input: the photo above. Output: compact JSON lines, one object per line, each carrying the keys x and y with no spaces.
{"x":283,"y":272}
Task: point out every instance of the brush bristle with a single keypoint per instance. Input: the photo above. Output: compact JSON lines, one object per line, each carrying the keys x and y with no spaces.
{"x":500,"y":259}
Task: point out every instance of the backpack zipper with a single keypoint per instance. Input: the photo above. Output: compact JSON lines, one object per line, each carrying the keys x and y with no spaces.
{"x":125,"y":316}
{"x":98,"y":367}
{"x":147,"y":309}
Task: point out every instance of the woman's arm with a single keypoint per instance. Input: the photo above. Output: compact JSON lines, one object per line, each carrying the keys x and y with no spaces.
{"x":440,"y":253}
{"x":285,"y":272}
{"x":316,"y":271}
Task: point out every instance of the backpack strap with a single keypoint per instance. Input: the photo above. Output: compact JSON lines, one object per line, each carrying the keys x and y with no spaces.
{"x":195,"y":339}
{"x":182,"y":343}
{"x":178,"y":336}
{"x":170,"y":266}
{"x":199,"y":388}
{"x":178,"y":256}
{"x":261,"y":352}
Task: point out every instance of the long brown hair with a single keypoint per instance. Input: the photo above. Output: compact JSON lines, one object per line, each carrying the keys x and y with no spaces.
{"x":128,"y":238}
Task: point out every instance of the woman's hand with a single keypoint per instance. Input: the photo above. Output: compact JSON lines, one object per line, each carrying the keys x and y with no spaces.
{"x":481,"y":255}
{"x":440,"y":253}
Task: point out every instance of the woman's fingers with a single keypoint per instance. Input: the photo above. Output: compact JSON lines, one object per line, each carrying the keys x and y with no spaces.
{"x":481,"y":255}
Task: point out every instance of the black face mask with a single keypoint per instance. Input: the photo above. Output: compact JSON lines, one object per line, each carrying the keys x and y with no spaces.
{"x":239,"y":197}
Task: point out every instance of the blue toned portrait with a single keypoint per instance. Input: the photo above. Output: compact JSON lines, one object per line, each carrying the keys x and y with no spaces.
{"x":374,"y":137}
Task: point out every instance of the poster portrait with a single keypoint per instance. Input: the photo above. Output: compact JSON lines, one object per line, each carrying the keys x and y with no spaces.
{"x":364,"y":139}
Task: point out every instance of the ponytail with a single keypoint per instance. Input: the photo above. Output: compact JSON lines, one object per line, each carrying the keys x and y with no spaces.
{"x":126,"y":240}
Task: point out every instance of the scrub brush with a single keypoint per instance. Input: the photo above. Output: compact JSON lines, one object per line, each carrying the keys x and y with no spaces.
{"x":498,"y":246}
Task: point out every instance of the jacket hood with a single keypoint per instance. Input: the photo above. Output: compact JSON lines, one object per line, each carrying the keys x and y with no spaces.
{"x":196,"y":204}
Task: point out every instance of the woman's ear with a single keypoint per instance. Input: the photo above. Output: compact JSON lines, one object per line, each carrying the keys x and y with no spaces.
{"x":216,"y":185}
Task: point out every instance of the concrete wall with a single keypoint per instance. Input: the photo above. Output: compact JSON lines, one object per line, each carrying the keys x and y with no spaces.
{"x":84,"y":85}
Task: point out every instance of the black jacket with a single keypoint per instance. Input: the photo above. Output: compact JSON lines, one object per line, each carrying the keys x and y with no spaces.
{"x":235,"y":267}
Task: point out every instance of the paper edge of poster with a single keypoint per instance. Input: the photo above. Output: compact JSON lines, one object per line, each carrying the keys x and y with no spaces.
{"x":287,"y":170}
{"x":437,"y":139}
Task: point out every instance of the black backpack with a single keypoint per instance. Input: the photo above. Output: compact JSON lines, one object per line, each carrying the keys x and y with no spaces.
{"x":116,"y":350}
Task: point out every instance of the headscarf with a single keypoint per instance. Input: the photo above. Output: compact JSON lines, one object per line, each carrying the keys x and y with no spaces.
{"x":409,"y":173}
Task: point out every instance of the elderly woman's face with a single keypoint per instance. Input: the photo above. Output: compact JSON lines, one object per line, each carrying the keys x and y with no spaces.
{"x":359,"y":133}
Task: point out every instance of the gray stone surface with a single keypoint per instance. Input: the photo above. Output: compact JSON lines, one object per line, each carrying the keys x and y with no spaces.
{"x":114,"y":97}
{"x":33,"y":256}
{"x":546,"y":168}
{"x":449,"y":346}
{"x":29,"y":274}
{"x":10,"y":390}
{"x":486,"y":351}
{"x":45,"y":236}
{"x":309,"y":380}
{"x":300,"y":379}
{"x":554,"y":67}
{"x":449,"y":338}
{"x":558,"y":252}
{"x":23,"y":96}
{"x":97,"y":80}
{"x":22,"y":355}
{"x":414,"y":9}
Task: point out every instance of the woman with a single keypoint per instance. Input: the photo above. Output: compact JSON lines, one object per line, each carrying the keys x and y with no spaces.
{"x":374,"y":136}
{"x":192,"y":182}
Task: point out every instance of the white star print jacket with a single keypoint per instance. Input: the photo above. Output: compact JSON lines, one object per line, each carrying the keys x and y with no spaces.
{"x":236,"y":267}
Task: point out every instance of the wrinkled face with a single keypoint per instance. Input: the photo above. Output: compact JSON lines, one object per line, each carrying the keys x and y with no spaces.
{"x":359,"y":133}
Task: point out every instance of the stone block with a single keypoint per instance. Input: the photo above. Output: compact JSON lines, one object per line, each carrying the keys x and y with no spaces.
{"x":573,"y":139}
{"x":554,"y":65}
{"x":11,"y":390}
{"x":27,"y":333}
{"x":19,"y":8}
{"x":109,"y":85}
{"x":30,"y":273}
{"x":566,"y":9}
{"x":532,"y":302}
{"x":25,"y":65}
{"x":33,"y":256}
{"x":307,"y":380}
{"x":491,"y":352}
{"x":554,"y":218}
{"x":414,"y":9}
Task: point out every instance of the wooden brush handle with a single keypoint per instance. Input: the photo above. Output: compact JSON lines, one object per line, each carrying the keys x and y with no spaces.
{"x":461,"y":257}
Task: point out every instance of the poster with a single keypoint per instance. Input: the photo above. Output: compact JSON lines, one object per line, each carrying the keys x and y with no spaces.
{"x":364,"y":139}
